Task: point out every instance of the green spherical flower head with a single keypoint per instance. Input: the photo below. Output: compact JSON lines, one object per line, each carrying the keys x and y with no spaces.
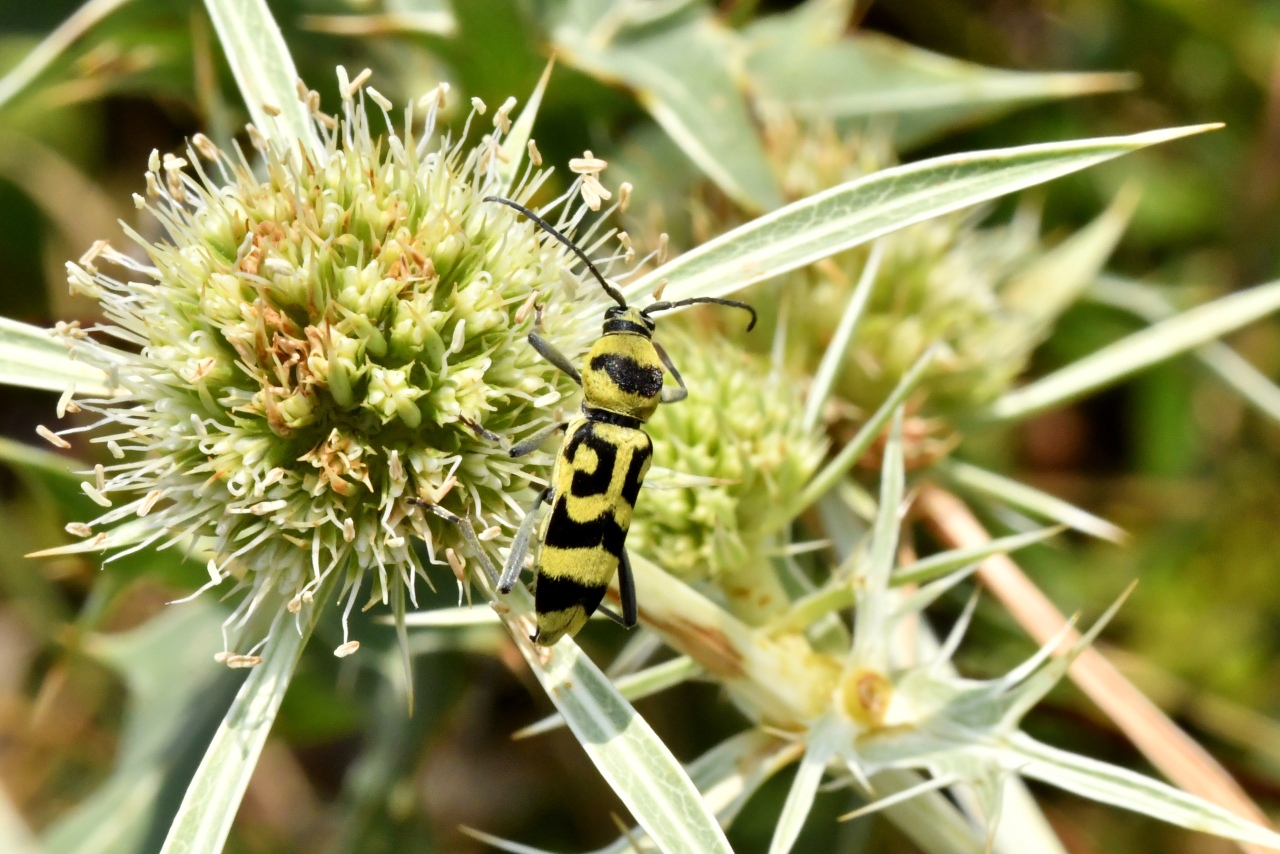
{"x":740,"y":436}
{"x":314,"y":349}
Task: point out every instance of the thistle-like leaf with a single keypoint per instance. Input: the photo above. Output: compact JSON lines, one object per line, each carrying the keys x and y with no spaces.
{"x":1184,"y":332}
{"x":862,"y":210}
{"x":1028,"y":499}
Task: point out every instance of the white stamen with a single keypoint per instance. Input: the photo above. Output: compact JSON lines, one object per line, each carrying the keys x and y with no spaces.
{"x":243,"y":662}
{"x":346,"y":649}
{"x":271,"y":109}
{"x":502,"y":118}
{"x":65,"y":403}
{"x":489,"y":533}
{"x":149,"y":503}
{"x":457,"y":563}
{"x":256,"y":139}
{"x":93,"y":252}
{"x":98,"y":498}
{"x":100,"y":477}
{"x":79,"y":529}
{"x":359,"y":80}
{"x":522,"y":313}
{"x":51,"y":437}
{"x":262,"y":508}
{"x":205,"y":146}
{"x":348,"y":530}
{"x":478,"y":105}
{"x":535,"y":156}
{"x":587,"y":164}
{"x":378,"y":98}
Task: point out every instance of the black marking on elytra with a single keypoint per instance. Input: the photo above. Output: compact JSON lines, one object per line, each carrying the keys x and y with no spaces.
{"x":565,"y":532}
{"x":634,"y":479}
{"x":629,"y":375}
{"x":595,"y":482}
{"x":558,"y":594}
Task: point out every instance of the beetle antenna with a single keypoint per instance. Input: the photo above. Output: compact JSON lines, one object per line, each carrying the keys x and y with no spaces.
{"x":732,"y":303}
{"x":550,"y":229}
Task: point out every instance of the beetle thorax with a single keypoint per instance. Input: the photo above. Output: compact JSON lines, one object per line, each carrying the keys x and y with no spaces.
{"x":623,"y":375}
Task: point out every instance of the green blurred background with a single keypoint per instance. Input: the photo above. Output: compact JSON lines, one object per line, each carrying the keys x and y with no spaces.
{"x":1185,"y":466}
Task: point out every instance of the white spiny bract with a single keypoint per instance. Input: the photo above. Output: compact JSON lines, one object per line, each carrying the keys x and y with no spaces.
{"x":881,"y":708}
{"x":303,"y":350}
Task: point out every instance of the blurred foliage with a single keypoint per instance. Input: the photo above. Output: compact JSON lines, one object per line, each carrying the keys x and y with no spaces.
{"x":1187,"y":468}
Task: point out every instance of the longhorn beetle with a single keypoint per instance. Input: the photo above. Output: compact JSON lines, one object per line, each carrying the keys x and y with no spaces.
{"x":601,"y":464}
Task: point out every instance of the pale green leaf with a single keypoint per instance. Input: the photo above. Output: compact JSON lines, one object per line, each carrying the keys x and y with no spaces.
{"x":727,"y":775}
{"x":514,"y":147}
{"x":1127,"y":789}
{"x":634,"y":686}
{"x":168,"y":668}
{"x":32,"y":357}
{"x":398,"y":17}
{"x":859,"y":211}
{"x":1028,"y":499}
{"x":439,"y":618}
{"x":54,"y":45}
{"x":680,"y":69}
{"x":213,"y":797}
{"x":629,"y":755}
{"x":35,"y":459}
{"x":264,"y":71}
{"x":871,"y":75}
{"x":822,"y":741}
{"x":1148,"y":303}
{"x":936,"y":566}
{"x":1142,"y":349}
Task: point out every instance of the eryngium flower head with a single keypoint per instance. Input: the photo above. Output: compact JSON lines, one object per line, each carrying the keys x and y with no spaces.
{"x":310,"y":347}
{"x":740,"y":433}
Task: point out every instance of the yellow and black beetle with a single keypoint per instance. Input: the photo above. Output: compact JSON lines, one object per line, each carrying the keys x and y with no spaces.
{"x":601,"y":464}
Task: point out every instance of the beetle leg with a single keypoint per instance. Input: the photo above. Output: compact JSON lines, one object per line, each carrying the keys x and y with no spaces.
{"x":534,"y":442}
{"x":671,"y":395}
{"x":627,"y":590}
{"x":520,"y":544}
{"x":468,"y":534}
{"x":548,"y":351}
